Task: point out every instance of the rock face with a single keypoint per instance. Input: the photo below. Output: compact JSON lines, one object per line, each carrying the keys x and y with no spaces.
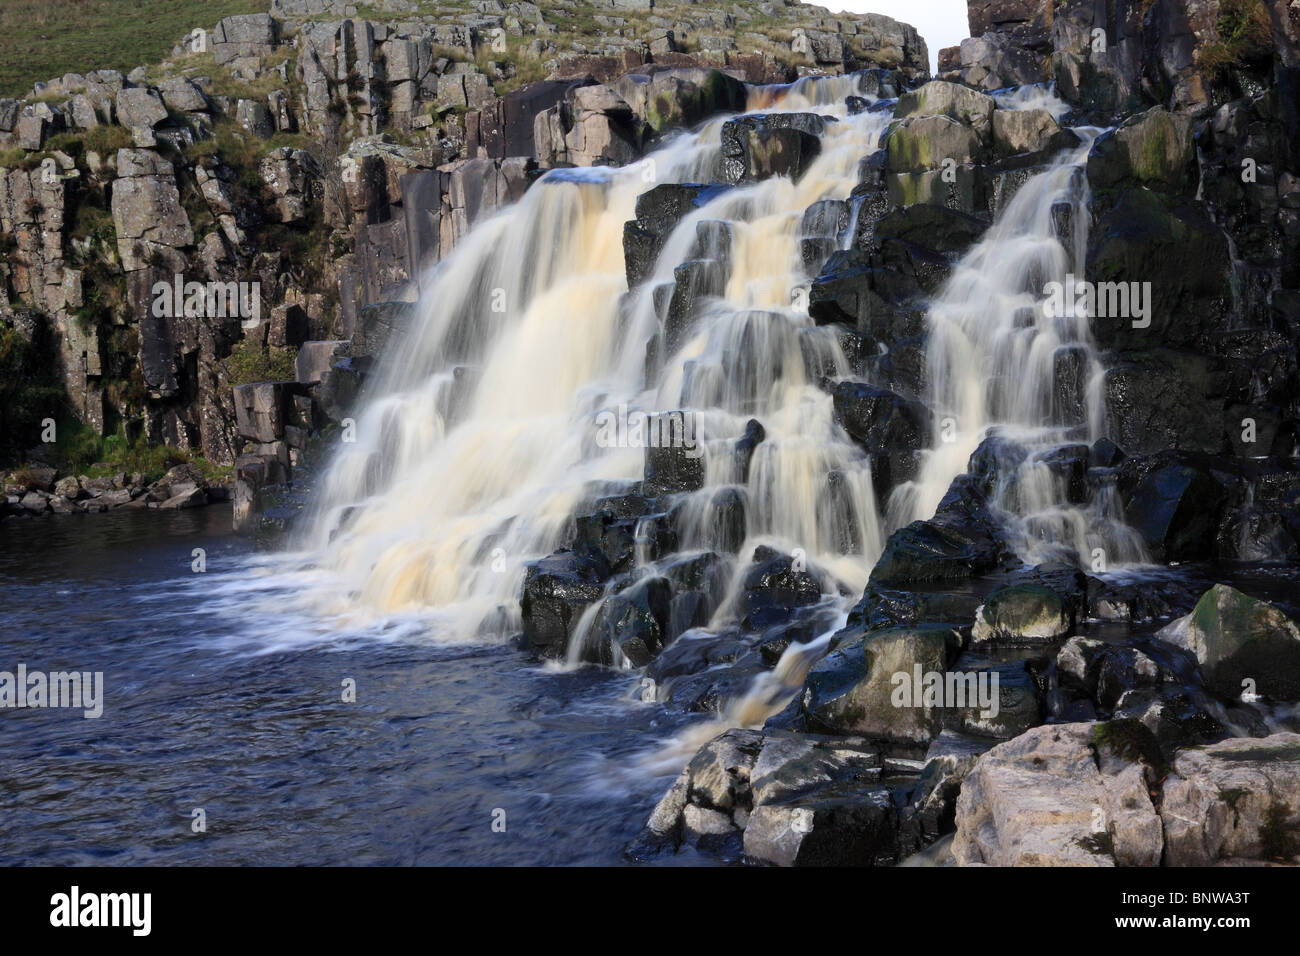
{"x":350,"y":217}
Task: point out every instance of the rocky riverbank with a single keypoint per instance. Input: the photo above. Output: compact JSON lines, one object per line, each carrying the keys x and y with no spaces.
{"x":38,"y":491}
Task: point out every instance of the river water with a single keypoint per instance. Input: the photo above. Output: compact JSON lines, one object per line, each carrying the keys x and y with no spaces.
{"x":205,"y":711}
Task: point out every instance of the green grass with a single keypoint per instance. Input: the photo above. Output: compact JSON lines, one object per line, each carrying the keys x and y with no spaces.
{"x":82,"y":452}
{"x":249,"y":363}
{"x":47,"y":38}
{"x":1245,"y":36}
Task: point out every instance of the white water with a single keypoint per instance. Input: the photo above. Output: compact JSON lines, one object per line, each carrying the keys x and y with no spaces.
{"x":456,"y":483}
{"x":445,"y":508}
{"x":990,"y":358}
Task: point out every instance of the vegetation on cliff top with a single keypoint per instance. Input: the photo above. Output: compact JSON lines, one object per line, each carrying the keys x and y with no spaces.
{"x":47,"y":38}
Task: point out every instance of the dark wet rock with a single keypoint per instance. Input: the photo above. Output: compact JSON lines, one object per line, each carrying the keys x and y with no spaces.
{"x":769,"y":144}
{"x":609,"y":536}
{"x":1176,"y":510}
{"x":1173,"y":245}
{"x":673,"y":468}
{"x":962,"y":540}
{"x":885,"y":607}
{"x":938,"y":228}
{"x":1000,"y":710}
{"x":658,"y":211}
{"x":557,"y":589}
{"x":1105,"y":672}
{"x":789,"y":799}
{"x":717,"y":522}
{"x":856,"y":290}
{"x":1070,"y":373}
{"x":881,"y":420}
{"x":706,"y":572}
{"x":1104,"y":453}
{"x":1179,"y":717}
{"x":1138,"y":602}
{"x":631,"y":626}
{"x":1165,"y":398}
{"x":949,"y":759}
{"x":696,"y":282}
{"x":823,"y":223}
{"x":819,"y":803}
{"x":853,"y":688}
{"x":1257,"y":535}
{"x":995,"y":461}
{"x":744,"y":448}
{"x":775,"y":583}
{"x":1243,"y":645}
{"x":695,"y":654}
{"x":715,"y":788}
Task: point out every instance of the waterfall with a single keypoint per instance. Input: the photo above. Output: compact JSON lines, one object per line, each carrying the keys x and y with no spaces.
{"x":478,"y":443}
{"x":996,"y":354}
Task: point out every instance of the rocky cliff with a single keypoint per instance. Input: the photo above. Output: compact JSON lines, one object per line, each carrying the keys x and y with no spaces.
{"x":324,"y":160}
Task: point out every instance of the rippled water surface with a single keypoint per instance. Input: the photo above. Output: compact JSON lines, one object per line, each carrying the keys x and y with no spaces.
{"x":206,"y":710}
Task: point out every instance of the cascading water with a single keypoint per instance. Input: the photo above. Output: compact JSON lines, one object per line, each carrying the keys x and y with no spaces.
{"x":994,"y":358}
{"x":479,"y":443}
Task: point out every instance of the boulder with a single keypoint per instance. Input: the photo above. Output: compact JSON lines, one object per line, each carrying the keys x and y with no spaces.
{"x":1234,"y":801}
{"x":557,"y":589}
{"x":781,"y":799}
{"x":140,"y":108}
{"x":1241,"y":644}
{"x":957,"y":102}
{"x":856,"y":688}
{"x":1176,"y":508}
{"x":1061,"y":795}
{"x":631,"y":627}
{"x":930,"y":142}
{"x":880,"y":420}
{"x":1154,"y":149}
{"x":1028,"y":131}
{"x":260,"y":410}
{"x":962,"y":540}
{"x":673,"y":468}
{"x":1022,"y":614}
{"x":775,"y":583}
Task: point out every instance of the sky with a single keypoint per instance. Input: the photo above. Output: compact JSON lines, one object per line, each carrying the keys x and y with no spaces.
{"x":941,"y":22}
